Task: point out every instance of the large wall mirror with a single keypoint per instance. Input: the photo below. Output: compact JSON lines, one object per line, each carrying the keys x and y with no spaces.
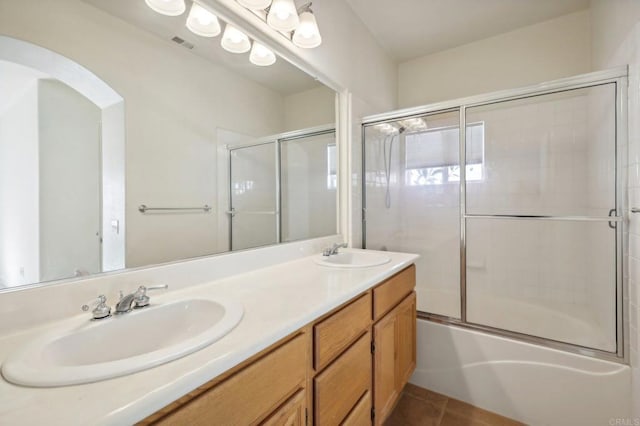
{"x":128,"y":141}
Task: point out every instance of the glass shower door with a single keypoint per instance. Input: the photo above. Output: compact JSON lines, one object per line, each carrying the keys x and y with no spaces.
{"x":412,"y":201}
{"x":540,"y":249}
{"x":254,"y":196}
{"x":309,"y":182}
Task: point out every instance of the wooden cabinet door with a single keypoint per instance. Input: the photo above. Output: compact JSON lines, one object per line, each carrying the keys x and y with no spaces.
{"x":405,"y":341}
{"x":395,"y":355}
{"x":361,"y":413}
{"x":384,"y":370}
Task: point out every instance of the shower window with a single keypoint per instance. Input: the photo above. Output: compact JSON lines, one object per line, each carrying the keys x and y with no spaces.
{"x":431,"y":156}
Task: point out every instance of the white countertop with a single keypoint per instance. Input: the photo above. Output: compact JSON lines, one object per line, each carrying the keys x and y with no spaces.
{"x":277,"y":300}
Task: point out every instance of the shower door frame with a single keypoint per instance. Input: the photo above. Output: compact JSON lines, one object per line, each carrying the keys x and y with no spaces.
{"x":617,"y":76}
{"x":277,"y":140}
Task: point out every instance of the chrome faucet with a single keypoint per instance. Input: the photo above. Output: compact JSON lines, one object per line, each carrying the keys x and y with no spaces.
{"x":138,"y":299}
{"x":330,"y":251}
{"x":100,"y":308}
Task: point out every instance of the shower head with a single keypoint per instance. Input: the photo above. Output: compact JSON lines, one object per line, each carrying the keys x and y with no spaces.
{"x":390,"y":129}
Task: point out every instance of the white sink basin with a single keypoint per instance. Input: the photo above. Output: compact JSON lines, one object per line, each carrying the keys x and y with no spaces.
{"x":88,"y":351}
{"x":352,"y":259}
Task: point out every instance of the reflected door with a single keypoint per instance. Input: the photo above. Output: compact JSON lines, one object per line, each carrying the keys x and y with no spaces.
{"x":254,"y":214}
{"x":69,"y":170}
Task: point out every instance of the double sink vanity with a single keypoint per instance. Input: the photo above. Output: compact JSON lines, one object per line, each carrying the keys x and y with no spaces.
{"x":314,"y":340}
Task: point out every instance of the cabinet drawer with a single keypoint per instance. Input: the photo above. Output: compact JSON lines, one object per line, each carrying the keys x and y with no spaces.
{"x":361,"y":414}
{"x":341,"y":385}
{"x":251,"y":394}
{"x":334,"y":334}
{"x":392,"y":291}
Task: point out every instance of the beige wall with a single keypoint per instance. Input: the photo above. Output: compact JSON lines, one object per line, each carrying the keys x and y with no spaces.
{"x":310,"y":108}
{"x":349,"y":56}
{"x":616,"y":41}
{"x":553,"y":49}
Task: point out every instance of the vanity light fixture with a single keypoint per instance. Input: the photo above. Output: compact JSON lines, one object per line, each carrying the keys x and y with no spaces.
{"x":234,"y":40}
{"x":283,"y":16}
{"x":202,"y":22}
{"x":167,"y":7}
{"x":299,"y":25}
{"x":255,"y":4}
{"x":307,"y":35}
{"x":261,"y":56}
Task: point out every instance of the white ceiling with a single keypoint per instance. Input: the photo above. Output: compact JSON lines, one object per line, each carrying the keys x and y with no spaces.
{"x":408,"y":29}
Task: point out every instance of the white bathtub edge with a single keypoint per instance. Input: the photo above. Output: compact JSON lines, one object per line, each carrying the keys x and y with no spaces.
{"x":525,"y":382}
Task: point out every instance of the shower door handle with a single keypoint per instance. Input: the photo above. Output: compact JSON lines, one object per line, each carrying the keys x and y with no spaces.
{"x":612,"y":225}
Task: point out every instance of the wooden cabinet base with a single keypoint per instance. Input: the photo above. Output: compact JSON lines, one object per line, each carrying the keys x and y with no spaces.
{"x":336,"y":370}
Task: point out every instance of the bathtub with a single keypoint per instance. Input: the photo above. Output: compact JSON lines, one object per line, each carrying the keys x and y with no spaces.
{"x":526,"y":382}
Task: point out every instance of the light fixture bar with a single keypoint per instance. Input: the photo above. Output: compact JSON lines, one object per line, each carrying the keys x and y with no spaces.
{"x":255,"y":4}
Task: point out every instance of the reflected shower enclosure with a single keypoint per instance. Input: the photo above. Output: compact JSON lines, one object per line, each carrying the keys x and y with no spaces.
{"x":514,"y":206}
{"x":283,"y":189}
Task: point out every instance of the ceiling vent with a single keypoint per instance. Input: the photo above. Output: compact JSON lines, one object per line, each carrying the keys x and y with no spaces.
{"x":182,"y":42}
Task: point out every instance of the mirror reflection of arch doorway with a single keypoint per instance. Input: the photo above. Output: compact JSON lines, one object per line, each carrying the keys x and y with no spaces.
{"x":61,"y":144}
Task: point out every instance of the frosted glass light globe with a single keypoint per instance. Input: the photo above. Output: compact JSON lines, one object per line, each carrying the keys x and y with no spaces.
{"x":167,"y":7}
{"x":202,"y":22}
{"x":261,"y":56}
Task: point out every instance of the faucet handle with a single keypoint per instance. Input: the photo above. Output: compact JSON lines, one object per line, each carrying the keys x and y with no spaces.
{"x":330,"y":251}
{"x":101,"y":309}
{"x":141,"y":299}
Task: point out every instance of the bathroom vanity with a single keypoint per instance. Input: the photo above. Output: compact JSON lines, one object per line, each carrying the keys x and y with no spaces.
{"x":347,"y":367}
{"x":316,"y":345}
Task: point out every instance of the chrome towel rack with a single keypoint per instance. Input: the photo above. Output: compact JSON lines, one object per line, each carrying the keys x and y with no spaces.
{"x":143,"y":208}
{"x":635,"y":209}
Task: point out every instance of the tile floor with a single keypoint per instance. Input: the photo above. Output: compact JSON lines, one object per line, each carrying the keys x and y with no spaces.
{"x":418,"y":406}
